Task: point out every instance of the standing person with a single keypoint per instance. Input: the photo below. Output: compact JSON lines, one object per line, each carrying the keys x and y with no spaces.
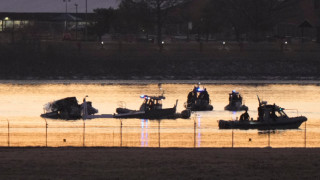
{"x":206,"y":95}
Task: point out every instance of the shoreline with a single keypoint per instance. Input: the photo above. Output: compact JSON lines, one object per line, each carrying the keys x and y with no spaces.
{"x":129,"y":82}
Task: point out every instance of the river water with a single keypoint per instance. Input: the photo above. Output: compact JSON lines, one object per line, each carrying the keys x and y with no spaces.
{"x":22,"y":103}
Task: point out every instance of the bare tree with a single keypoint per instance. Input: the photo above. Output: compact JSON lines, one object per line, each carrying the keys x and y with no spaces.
{"x":103,"y":21}
{"x":160,"y":9}
{"x":133,"y":17}
{"x":255,"y":16}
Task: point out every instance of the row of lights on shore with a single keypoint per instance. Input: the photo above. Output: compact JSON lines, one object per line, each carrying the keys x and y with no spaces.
{"x":223,"y":43}
{"x":102,"y":43}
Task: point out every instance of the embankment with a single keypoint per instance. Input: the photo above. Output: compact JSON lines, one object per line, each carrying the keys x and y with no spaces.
{"x":178,"y":61}
{"x":158,"y":163}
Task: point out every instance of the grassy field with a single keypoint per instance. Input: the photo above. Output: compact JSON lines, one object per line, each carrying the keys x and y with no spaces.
{"x":154,"y":163}
{"x":72,"y":60}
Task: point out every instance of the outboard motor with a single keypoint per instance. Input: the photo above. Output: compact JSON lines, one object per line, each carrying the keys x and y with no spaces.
{"x":186,"y":114}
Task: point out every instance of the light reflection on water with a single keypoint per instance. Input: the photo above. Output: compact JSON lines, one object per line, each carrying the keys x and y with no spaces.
{"x":144,"y":133}
{"x":22,"y":104}
{"x":199,"y":131}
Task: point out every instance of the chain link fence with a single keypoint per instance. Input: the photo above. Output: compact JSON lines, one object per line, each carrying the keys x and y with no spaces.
{"x":147,"y":133}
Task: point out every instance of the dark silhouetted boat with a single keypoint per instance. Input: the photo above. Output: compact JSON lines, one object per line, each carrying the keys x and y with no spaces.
{"x":151,"y":108}
{"x":269,"y":117}
{"x":198,"y":100}
{"x":235,"y":102}
{"x":68,"y":109}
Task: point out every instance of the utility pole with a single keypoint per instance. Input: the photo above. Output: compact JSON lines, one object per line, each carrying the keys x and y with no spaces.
{"x":66,"y":20}
{"x":86,"y":30}
{"x":8,"y":133}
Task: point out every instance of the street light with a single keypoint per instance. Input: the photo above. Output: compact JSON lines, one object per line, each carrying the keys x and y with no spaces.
{"x":76,"y":5}
{"x":66,"y":23}
{"x":5,"y":23}
{"x":66,"y":1}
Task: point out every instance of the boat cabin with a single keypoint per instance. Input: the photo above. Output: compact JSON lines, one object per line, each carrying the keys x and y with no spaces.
{"x":198,"y":95}
{"x":235,"y":96}
{"x":151,"y":102}
{"x":267,"y":112}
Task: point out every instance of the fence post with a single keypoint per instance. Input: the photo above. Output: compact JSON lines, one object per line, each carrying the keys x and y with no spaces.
{"x":232,"y":137}
{"x":305,"y":134}
{"x":84,"y":131}
{"x":159,"y":139}
{"x":269,"y":138}
{"x":46,"y":132}
{"x":120,"y":133}
{"x":8,"y":133}
{"x":194,"y":133}
{"x":113,"y":138}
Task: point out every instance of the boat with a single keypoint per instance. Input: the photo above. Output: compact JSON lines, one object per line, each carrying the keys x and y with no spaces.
{"x":151,"y":108}
{"x":235,"y":102}
{"x":198,"y":100}
{"x":270,"y":117}
{"x":68,"y":109}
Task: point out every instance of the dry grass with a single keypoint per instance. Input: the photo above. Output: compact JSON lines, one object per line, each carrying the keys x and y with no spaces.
{"x":153,"y":163}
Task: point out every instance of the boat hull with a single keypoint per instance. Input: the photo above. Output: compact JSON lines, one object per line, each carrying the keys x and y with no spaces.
{"x":64,"y":116}
{"x":236,"y":108}
{"x":168,"y":113}
{"x":201,"y":108}
{"x":285,"y":123}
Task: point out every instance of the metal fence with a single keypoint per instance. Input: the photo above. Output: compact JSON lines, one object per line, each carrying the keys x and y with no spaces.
{"x":125,"y":133}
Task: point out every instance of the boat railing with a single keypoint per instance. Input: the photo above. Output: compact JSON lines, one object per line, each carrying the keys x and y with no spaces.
{"x":297,"y":111}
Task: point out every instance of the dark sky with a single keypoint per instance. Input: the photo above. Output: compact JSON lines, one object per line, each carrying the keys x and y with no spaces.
{"x":53,"y":5}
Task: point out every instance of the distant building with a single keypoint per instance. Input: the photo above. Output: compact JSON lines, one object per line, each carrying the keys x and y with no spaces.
{"x":44,"y":25}
{"x":48,"y":19}
{"x":54,"y":6}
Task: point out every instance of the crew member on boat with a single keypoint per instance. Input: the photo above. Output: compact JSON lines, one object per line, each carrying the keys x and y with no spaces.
{"x":245,"y":116}
{"x":204,"y":95}
{"x":192,"y":96}
{"x":198,"y":100}
{"x":260,"y":113}
{"x":234,"y":97}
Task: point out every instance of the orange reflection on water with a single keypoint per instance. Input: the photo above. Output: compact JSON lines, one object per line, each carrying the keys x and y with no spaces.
{"x":22,"y":105}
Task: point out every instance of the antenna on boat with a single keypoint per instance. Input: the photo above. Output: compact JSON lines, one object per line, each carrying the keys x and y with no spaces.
{"x":175,"y":106}
{"x":259,"y":100}
{"x":160,"y":89}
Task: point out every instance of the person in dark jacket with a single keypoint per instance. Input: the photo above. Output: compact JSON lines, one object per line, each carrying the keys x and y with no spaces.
{"x":245,"y":116}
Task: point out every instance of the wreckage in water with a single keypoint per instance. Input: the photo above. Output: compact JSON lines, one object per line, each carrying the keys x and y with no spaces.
{"x":68,"y":109}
